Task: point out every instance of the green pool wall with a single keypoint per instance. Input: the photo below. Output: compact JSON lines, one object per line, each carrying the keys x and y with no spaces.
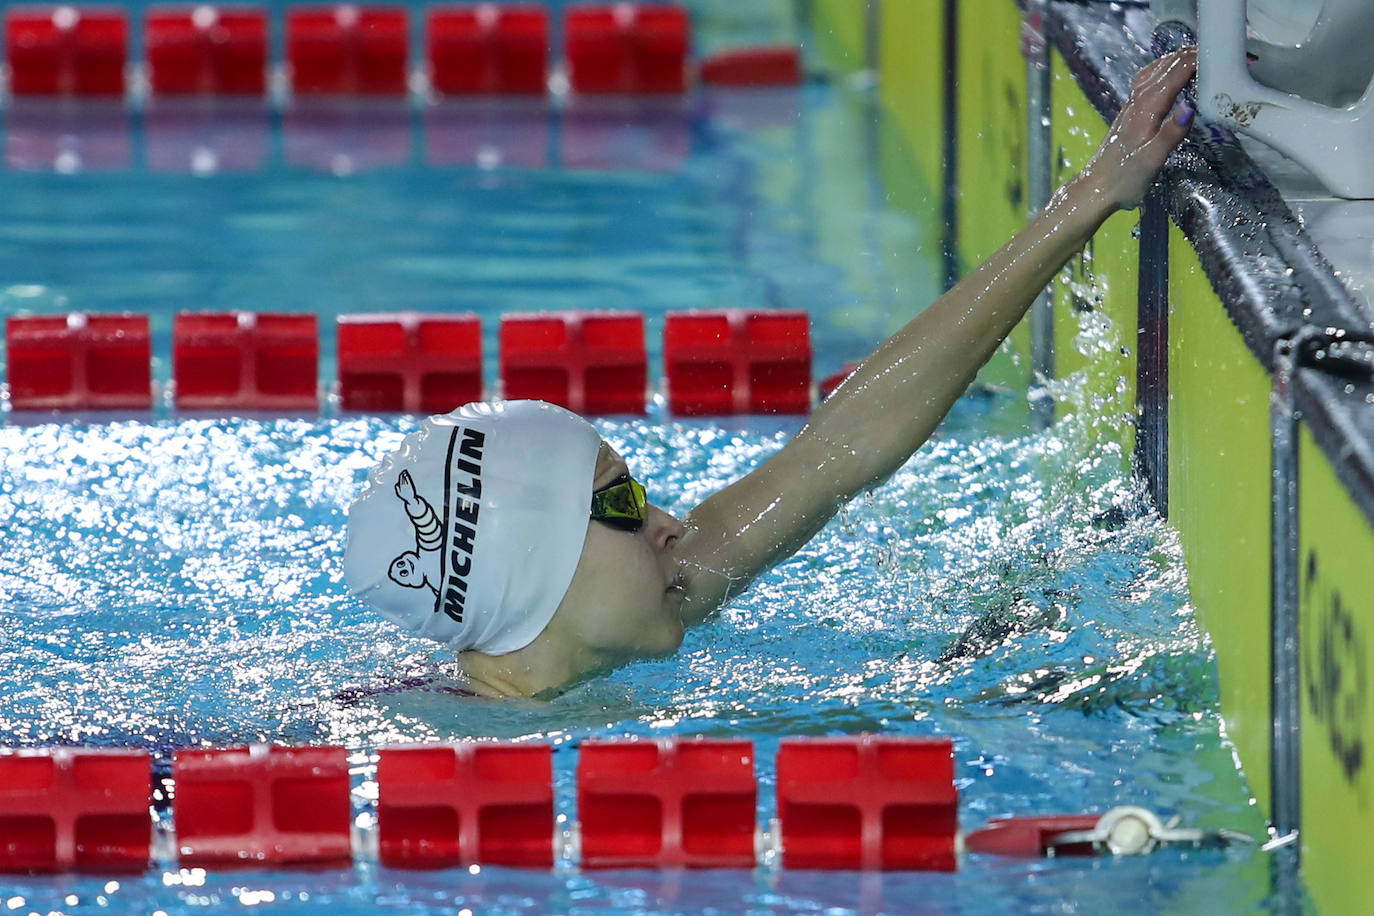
{"x":1096,"y":294}
{"x":1336,"y":557}
{"x":1219,"y":473}
{"x":991,"y":175}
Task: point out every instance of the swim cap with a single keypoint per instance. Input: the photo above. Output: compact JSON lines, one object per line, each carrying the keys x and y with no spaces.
{"x":470,"y":532}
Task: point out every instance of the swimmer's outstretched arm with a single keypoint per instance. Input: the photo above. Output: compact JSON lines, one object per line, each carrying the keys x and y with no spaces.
{"x":897,"y":396}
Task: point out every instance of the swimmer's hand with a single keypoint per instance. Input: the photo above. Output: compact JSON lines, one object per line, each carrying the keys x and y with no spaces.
{"x":1148,"y":128}
{"x":405,"y":488}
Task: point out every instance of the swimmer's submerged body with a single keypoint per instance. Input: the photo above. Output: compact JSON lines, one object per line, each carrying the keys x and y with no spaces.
{"x":546,"y":565}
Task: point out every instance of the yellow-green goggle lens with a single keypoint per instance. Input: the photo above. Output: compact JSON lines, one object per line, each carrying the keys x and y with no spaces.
{"x":622,"y":505}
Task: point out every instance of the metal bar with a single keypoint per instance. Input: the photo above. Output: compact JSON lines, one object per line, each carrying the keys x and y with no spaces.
{"x":872,"y":37}
{"x":1285,"y":747}
{"x":949,"y":205}
{"x":1152,"y":352}
{"x":1040,"y":172}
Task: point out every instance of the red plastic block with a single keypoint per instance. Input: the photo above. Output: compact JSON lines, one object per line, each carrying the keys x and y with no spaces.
{"x":589,"y":362}
{"x":674,"y":802}
{"x":66,"y":50}
{"x":867,"y":802}
{"x":440,"y":806}
{"x":207,"y":49}
{"x":625,"y":47}
{"x":348,"y":50}
{"x":71,"y":809}
{"x":771,"y":66}
{"x":408,"y":361}
{"x":261,"y":805}
{"x":736,"y":362}
{"x":79,"y":361}
{"x":488,"y":48}
{"x":245,"y":360}
{"x":1030,"y":836}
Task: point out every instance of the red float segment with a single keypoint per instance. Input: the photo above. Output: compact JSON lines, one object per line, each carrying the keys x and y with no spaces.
{"x":867,"y":802}
{"x":348,"y":50}
{"x":207,"y":49}
{"x":673,"y":802}
{"x":245,"y":360}
{"x":79,"y":362}
{"x":738,"y":362}
{"x":488,"y":48}
{"x":409,"y":362}
{"x":1031,"y":836}
{"x":69,"y":809}
{"x":625,"y":47}
{"x":588,"y":362}
{"x":768,"y":66}
{"x":66,"y":50}
{"x":260,"y":805}
{"x":441,"y":806}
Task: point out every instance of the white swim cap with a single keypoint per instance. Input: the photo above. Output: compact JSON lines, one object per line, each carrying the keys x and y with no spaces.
{"x":470,"y":532}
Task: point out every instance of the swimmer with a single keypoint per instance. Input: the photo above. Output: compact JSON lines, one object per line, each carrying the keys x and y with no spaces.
{"x":513,"y":533}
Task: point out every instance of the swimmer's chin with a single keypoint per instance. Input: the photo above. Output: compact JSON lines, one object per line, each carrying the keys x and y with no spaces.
{"x":533,"y":676}
{"x":609,"y":668}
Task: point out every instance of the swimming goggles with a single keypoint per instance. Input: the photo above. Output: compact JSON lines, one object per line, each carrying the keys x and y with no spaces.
{"x":621,"y":504}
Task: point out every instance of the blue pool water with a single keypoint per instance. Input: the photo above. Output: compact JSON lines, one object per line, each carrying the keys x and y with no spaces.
{"x":171,"y":581}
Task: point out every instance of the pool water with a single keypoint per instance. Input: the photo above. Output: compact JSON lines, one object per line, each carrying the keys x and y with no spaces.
{"x":171,"y":580}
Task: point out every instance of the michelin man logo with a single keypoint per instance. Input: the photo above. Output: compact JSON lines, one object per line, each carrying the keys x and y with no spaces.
{"x":418,"y":568}
{"x":442,"y":558}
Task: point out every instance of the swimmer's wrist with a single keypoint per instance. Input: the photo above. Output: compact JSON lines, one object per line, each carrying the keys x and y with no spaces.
{"x":1081,"y":205}
{"x":1085,"y":193}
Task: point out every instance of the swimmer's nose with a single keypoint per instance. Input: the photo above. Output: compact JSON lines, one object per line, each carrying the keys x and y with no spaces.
{"x":663,"y":529}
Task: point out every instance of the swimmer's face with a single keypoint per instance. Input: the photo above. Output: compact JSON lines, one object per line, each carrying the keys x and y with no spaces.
{"x":625,"y":600}
{"x":405,"y":570}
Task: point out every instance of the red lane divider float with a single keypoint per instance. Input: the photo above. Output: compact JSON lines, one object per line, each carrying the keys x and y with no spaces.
{"x":260,"y":805}
{"x":408,"y":361}
{"x":589,"y":362}
{"x":66,"y":50}
{"x":348,"y":50}
{"x":668,"y":803}
{"x":440,"y":806}
{"x":245,"y":360}
{"x":778,"y":65}
{"x":726,"y":362}
{"x":1031,"y":836}
{"x":625,"y":47}
{"x":207,"y":49}
{"x":488,"y":48}
{"x":737,"y":362}
{"x":79,"y":362}
{"x":868,"y":802}
{"x":69,"y":809}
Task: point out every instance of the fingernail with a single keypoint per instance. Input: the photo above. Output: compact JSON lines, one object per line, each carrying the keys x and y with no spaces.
{"x":1185,"y":114}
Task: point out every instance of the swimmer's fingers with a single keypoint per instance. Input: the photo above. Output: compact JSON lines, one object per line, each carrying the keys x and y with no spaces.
{"x":405,"y":486}
{"x":1145,"y":132}
{"x":1169,"y":116}
{"x":1156,"y":87}
{"x":1157,"y":149}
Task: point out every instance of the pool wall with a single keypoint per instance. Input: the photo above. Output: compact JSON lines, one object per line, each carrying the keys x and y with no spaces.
{"x":1171,"y":317}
